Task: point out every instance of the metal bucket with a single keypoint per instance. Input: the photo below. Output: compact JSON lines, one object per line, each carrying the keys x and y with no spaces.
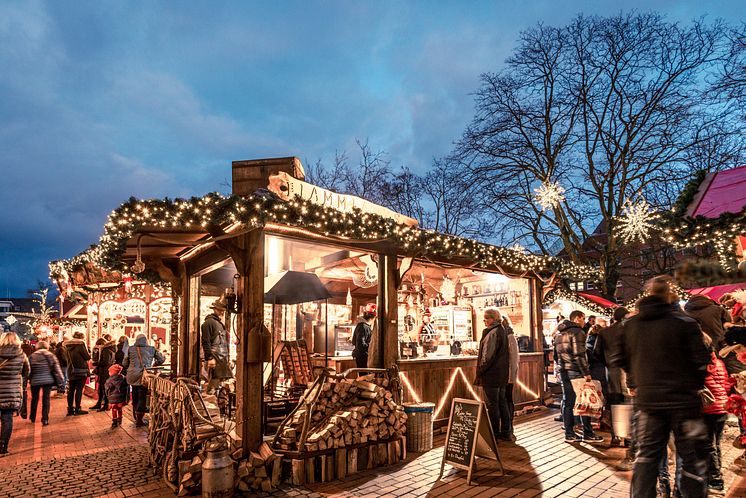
{"x":419,"y":426}
{"x":217,"y":475}
{"x":621,"y":420}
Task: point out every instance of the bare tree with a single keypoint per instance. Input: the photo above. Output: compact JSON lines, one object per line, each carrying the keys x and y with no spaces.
{"x":331,"y":177}
{"x":455,"y":206}
{"x":610,"y":110}
{"x":731,"y":84}
{"x":404,"y":193}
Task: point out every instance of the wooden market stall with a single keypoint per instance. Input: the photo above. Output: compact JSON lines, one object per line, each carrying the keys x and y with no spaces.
{"x":235,"y":247}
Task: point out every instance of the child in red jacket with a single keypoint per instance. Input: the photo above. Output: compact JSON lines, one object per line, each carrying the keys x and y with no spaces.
{"x":117,"y":392}
{"x":715,"y":416}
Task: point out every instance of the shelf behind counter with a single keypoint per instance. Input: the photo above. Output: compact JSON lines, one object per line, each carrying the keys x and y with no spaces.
{"x":429,"y":379}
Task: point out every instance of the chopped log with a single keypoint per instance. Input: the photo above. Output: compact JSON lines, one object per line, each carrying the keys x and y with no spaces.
{"x":298,"y":472}
{"x":255,"y":460}
{"x":310,"y":471}
{"x":266,"y":486}
{"x":340,"y":461}
{"x":276,"y":471}
{"x":352,"y":461}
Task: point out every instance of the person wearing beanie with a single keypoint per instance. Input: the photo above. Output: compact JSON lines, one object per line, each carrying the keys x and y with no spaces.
{"x":117,"y":392}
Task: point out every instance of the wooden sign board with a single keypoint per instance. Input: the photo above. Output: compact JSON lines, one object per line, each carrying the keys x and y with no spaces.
{"x":469,"y":436}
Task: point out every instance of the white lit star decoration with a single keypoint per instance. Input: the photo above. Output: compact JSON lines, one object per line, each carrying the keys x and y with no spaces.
{"x":636,"y":221}
{"x":549,"y":195}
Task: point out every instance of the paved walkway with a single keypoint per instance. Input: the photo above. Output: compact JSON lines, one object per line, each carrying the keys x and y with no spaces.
{"x":83,"y":457}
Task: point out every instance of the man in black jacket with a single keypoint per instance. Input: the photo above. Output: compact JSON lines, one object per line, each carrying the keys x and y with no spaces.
{"x":570,"y":353}
{"x":666,"y":360}
{"x":215,"y":346}
{"x":492,"y":374}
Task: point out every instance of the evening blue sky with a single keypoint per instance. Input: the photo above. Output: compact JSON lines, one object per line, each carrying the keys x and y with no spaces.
{"x":100,"y":101}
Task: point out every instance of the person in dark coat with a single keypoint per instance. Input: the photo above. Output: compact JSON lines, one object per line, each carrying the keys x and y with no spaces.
{"x":361,"y":339}
{"x":139,"y":357}
{"x":666,"y":360}
{"x":45,"y":373}
{"x":76,"y":353}
{"x":103,"y":357}
{"x":712,"y":317}
{"x":612,"y":340}
{"x":59,"y":352}
{"x":570,"y":353}
{"x":215,"y":346}
{"x":14,"y":370}
{"x":123,"y":345}
{"x":117,"y":392}
{"x":493,"y":371}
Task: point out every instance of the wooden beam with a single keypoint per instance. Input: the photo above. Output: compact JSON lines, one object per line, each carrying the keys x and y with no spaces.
{"x":390,"y":311}
{"x":193,"y":328}
{"x":183,"y":356}
{"x":250,"y":295}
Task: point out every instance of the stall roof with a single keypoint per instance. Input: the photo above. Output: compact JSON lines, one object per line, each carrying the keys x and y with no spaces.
{"x":599,"y":300}
{"x":169,"y":232}
{"x":720,"y":192}
{"x":717,"y":291}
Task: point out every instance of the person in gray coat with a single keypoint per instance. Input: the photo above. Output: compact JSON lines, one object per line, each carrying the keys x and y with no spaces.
{"x":45,"y":373}
{"x":14,"y":370}
{"x":139,"y":357}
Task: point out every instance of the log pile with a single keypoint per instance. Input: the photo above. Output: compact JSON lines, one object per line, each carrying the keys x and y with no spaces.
{"x":344,"y":412}
{"x":260,"y":471}
{"x":190,"y":480}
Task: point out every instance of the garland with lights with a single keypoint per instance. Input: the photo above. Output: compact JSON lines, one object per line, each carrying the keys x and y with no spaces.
{"x":568,"y":295}
{"x":256,"y":210}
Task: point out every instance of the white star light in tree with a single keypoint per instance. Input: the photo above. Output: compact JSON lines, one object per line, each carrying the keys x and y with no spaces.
{"x":549,"y":195}
{"x":636,"y":221}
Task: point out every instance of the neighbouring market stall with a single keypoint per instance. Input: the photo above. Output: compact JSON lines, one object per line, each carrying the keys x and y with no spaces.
{"x":274,"y":236}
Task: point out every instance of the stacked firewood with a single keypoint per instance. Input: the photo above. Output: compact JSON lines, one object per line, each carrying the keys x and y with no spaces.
{"x":260,"y":471}
{"x":341,"y":412}
{"x":190,"y":481}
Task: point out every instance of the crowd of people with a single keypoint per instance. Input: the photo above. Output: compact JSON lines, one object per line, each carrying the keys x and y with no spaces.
{"x":675,"y":365}
{"x":65,"y":367}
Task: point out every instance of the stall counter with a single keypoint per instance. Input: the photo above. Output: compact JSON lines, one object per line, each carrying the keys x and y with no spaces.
{"x":440,"y":379}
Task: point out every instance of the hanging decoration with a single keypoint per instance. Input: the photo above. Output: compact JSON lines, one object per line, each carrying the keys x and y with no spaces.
{"x":448,"y":289}
{"x":348,"y":299}
{"x":637,"y":221}
{"x":549,"y":195}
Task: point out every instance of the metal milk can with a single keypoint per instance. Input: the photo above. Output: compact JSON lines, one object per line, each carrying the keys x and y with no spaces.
{"x":217,"y":475}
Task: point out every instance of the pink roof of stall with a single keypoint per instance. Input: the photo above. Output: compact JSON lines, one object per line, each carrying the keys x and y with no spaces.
{"x":721,"y":192}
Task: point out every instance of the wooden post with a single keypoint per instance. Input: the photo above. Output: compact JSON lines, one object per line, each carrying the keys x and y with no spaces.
{"x":183,"y":344}
{"x":193,"y":327}
{"x":390,"y":337}
{"x":249,"y":260}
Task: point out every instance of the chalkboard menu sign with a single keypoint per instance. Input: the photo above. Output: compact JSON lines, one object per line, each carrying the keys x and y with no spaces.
{"x":462,"y":430}
{"x":469,"y":435}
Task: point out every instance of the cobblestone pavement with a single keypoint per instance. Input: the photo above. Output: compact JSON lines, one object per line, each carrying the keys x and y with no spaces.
{"x":83,"y":457}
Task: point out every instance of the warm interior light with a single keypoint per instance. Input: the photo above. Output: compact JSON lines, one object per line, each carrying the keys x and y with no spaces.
{"x":442,"y":401}
{"x":468,"y":385}
{"x":409,"y":387}
{"x":525,"y":388}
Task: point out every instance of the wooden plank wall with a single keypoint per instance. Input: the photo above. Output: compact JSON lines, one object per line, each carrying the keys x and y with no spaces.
{"x":430,"y":380}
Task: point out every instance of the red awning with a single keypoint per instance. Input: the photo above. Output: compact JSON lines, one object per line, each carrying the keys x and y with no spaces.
{"x":725,"y":193}
{"x":599,"y":300}
{"x":717,"y":291}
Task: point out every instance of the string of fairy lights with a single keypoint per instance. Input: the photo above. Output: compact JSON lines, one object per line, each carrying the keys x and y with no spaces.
{"x":563,"y":294}
{"x":257,"y":210}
